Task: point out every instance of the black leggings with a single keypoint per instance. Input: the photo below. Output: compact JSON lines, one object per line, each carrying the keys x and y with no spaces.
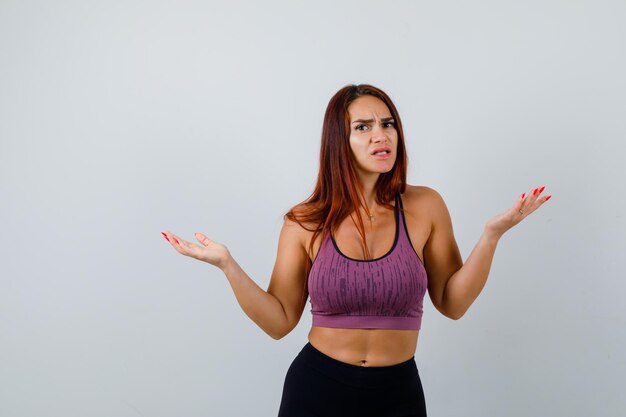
{"x":317,"y":385}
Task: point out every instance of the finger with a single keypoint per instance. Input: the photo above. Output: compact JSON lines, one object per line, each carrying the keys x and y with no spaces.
{"x":536,"y":196}
{"x":521,"y":203}
{"x":540,"y":201}
{"x":530,"y":199}
{"x":169,"y":236}
{"x":540,"y":190}
{"x":179,"y":241}
{"x":176,"y":241}
{"x":536,"y":192}
{"x":173,"y":241}
{"x":536,"y":201}
{"x":202,"y":238}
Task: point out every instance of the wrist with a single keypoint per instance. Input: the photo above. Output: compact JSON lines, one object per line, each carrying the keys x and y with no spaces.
{"x":492,"y":236}
{"x":227,"y":263}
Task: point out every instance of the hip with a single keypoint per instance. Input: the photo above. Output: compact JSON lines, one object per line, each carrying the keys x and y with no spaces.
{"x":318,"y":385}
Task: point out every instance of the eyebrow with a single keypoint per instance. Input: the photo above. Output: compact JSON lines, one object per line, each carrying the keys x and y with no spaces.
{"x":384,"y":119}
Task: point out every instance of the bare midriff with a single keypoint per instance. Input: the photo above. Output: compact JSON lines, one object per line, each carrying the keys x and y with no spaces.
{"x":374,"y":347}
{"x":365,"y":347}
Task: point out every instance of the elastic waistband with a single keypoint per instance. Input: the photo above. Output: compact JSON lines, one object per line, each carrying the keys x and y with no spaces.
{"x":357,"y":375}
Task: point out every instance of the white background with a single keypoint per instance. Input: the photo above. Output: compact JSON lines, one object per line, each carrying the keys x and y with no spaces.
{"x":121,"y":119}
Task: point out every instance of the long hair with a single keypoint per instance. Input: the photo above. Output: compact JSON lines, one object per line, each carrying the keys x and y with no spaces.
{"x":338,"y":191}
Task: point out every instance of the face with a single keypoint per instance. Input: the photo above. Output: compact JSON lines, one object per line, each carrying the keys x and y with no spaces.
{"x":371,"y":128}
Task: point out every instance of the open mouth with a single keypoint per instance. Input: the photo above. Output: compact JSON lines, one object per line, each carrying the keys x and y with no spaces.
{"x":382,"y":155}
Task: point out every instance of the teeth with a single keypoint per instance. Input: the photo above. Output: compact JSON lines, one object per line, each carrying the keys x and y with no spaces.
{"x":381,"y":153}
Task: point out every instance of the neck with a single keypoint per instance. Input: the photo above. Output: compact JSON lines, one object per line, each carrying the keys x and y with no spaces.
{"x":369,"y":193}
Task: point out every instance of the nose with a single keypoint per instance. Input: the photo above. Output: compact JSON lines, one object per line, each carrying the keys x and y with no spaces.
{"x":379,"y":134}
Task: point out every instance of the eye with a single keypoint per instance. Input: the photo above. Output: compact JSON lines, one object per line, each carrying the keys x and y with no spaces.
{"x":391,"y":125}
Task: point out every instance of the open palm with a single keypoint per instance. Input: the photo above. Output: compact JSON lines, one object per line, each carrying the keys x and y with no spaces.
{"x":522,"y":208}
{"x":208,"y":250}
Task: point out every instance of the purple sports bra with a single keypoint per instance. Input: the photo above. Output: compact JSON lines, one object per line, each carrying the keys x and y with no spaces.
{"x":381,"y":293}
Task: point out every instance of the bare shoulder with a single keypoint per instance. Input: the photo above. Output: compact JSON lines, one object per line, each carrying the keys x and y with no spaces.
{"x":293,"y":227}
{"x":421,"y":197}
{"x":424,"y":206}
{"x":299,"y":229}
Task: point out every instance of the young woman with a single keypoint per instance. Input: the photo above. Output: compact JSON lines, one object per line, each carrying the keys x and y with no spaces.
{"x":365,"y":246}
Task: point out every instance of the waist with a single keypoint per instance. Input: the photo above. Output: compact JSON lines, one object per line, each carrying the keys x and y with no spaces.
{"x":365,"y":347}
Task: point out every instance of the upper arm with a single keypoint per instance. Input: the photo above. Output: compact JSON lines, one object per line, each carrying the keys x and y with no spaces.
{"x":442,"y":257}
{"x":288,"y":276}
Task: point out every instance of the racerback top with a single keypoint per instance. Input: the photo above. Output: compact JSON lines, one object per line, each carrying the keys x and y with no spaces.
{"x":382,"y":293}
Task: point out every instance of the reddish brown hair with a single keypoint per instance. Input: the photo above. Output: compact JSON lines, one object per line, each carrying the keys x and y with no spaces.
{"x":338,"y":191}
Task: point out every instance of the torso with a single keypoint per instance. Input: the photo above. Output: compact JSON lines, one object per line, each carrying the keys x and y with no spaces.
{"x":374,"y":347}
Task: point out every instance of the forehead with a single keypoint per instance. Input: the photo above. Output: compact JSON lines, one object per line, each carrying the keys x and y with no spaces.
{"x":368,"y":106}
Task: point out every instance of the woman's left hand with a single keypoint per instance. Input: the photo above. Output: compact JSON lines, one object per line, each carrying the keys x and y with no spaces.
{"x":498,"y":225}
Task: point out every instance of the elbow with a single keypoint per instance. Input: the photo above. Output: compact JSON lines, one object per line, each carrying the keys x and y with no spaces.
{"x":450,"y":310}
{"x":277,"y":336}
{"x":455,"y":315}
{"x":280,"y":335}
{"x":452,"y":314}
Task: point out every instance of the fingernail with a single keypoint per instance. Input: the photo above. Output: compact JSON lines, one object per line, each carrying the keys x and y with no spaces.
{"x":523,"y":194}
{"x":548,"y":197}
{"x":165,"y":236}
{"x":177,"y":241}
{"x":534,"y":191}
{"x":542,"y":188}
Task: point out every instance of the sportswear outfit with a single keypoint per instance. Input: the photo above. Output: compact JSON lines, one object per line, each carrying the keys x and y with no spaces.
{"x":382,"y":293}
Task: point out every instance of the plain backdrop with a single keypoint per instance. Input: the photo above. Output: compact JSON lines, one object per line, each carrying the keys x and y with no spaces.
{"x":121,"y":119}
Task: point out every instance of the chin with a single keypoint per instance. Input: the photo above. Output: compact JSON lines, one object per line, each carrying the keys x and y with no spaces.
{"x":386,"y":168}
{"x":383,"y":170}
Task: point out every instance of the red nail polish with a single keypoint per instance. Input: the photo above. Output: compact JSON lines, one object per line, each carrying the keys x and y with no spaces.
{"x":165,"y":236}
{"x":177,"y":241}
{"x":548,"y":197}
{"x":542,"y":188}
{"x":534,"y":191}
{"x":523,"y":194}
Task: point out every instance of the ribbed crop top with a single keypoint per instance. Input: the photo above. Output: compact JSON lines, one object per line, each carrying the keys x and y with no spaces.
{"x":382,"y":293}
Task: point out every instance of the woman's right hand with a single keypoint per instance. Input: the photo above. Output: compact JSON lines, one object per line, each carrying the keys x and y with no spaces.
{"x":208,"y":251}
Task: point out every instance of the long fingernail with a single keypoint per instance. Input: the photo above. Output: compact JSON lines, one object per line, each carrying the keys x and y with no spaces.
{"x":548,"y":197}
{"x":542,"y":188}
{"x":534,"y":191}
{"x":165,"y":236}
{"x":523,"y":194}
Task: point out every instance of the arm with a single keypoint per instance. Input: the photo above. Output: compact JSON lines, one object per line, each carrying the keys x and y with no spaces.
{"x":442,"y":258}
{"x":278,"y":310}
{"x":455,"y":286}
{"x":452,"y":285}
{"x":263,"y":308}
{"x":465,"y":284}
